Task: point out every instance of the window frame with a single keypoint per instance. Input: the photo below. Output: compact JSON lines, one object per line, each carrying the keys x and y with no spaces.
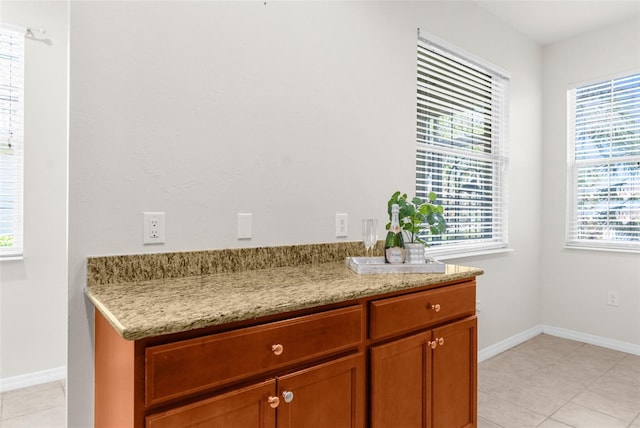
{"x":498,"y":156}
{"x":12,"y":139}
{"x":572,"y":240}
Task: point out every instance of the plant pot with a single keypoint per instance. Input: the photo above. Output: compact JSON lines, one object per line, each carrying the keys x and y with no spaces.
{"x":414,"y":253}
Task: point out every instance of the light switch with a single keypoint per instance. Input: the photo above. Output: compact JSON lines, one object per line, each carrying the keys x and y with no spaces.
{"x":245,"y":226}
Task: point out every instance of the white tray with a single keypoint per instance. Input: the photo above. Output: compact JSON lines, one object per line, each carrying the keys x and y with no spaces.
{"x":368,"y":265}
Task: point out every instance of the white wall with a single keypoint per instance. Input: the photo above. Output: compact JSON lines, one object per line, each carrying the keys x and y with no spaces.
{"x":291,"y":111}
{"x":575,"y":282}
{"x":33,"y":291}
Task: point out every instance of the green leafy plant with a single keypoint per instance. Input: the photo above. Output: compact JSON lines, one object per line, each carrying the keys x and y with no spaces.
{"x":417,"y":215}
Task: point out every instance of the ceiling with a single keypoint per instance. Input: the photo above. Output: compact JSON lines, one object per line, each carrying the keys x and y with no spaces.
{"x":550,"y":21}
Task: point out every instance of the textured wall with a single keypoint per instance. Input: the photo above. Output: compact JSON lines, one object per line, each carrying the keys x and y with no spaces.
{"x":292,"y":111}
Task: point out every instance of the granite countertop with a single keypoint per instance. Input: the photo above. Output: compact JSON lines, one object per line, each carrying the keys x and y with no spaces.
{"x":144,"y":308}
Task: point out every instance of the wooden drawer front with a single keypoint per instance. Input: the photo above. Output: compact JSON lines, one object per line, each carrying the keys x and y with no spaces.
{"x":246,"y":407}
{"x":416,"y":310}
{"x":178,"y":369}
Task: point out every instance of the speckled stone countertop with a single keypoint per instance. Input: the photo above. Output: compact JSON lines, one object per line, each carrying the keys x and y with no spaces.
{"x":139,"y":308}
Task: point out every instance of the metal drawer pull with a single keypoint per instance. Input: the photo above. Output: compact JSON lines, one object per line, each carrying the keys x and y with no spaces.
{"x":273,"y":402}
{"x":277,"y":349}
{"x":436,"y":307}
{"x":441,"y":341}
{"x":432,"y":344}
{"x":288,"y":396}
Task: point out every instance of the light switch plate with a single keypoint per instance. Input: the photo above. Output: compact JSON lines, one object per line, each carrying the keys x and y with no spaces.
{"x":245,"y":225}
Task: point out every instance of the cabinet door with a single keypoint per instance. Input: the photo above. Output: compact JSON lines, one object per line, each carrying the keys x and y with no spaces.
{"x":454,"y":375}
{"x":400,"y":374}
{"x":241,"y":408}
{"x":326,"y":395}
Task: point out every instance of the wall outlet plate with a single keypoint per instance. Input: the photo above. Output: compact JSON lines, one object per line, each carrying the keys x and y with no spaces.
{"x":342,"y":223}
{"x":613,"y":298}
{"x":152,"y":228}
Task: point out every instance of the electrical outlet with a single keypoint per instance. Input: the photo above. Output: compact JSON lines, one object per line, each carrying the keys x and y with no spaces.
{"x":152,"y":228}
{"x":613,"y":298}
{"x":342,"y":222}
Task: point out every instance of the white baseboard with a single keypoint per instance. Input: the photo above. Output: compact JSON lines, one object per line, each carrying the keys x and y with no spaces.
{"x":31,"y":379}
{"x":508,"y":343}
{"x":616,"y":345}
{"x":591,"y":339}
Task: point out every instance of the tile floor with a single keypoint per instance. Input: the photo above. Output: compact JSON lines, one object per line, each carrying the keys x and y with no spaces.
{"x":547,"y":382}
{"x":40,"y":406}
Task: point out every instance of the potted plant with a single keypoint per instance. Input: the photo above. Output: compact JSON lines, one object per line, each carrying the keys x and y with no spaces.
{"x":417,"y":215}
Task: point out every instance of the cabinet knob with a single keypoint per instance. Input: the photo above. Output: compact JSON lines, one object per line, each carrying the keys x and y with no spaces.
{"x":273,"y":401}
{"x":441,"y":341}
{"x":277,"y":349}
{"x":436,"y":307}
{"x":432,"y":344}
{"x":288,"y":396}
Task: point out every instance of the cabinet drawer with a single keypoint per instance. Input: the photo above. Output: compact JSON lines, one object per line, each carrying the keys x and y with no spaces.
{"x":245,"y":407}
{"x":178,"y":369}
{"x":416,"y":310}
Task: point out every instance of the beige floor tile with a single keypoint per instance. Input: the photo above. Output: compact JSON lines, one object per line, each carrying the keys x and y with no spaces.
{"x":578,"y":372}
{"x":513,"y":362}
{"x":483,"y":396}
{"x":544,"y":354}
{"x":496,"y":382}
{"x":550,"y":344}
{"x":483,"y":423}
{"x":594,"y":358}
{"x":556,"y":385}
{"x":50,"y":418}
{"x":616,"y":389}
{"x":598,"y":353}
{"x":582,"y":417}
{"x":632,"y":362}
{"x":552,"y":423}
{"x":621,"y":409}
{"x":625,"y":373}
{"x":580,"y":385}
{"x":508,"y":415}
{"x":534,"y":399}
{"x":32,"y":399}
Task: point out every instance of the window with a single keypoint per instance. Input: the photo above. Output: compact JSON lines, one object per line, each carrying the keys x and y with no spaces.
{"x":604,"y":165}
{"x":11,"y":140}
{"x":462,"y":147}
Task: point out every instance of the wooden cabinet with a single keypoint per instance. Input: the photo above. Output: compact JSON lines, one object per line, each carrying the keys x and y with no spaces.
{"x":427,"y":379}
{"x":329,"y":394}
{"x":403,"y":359}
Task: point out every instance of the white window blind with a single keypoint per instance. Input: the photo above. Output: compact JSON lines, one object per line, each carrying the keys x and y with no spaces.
{"x":11,"y":140}
{"x":604,"y":165}
{"x":462,"y":146}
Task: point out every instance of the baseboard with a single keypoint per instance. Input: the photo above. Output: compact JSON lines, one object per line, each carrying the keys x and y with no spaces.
{"x":591,"y":339}
{"x":504,"y":345}
{"x":616,"y":345}
{"x":31,"y":379}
